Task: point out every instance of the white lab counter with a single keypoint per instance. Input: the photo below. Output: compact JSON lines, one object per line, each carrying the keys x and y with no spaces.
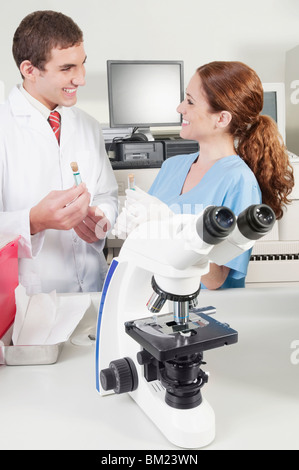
{"x":253,"y":387}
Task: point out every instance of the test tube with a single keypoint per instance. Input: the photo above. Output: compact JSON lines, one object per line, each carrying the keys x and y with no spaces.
{"x":131,"y":181}
{"x":76,"y":173}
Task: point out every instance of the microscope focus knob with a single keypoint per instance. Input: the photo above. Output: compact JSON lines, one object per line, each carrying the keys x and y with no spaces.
{"x":121,"y":376}
{"x":144,"y":357}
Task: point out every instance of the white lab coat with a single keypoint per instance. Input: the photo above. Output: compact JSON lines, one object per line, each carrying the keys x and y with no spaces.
{"x":31,"y":165}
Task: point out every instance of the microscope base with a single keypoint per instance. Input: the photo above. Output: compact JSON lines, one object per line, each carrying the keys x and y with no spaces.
{"x":189,"y":429}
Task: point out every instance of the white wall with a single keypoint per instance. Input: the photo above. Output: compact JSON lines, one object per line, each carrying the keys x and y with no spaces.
{"x":2,"y":91}
{"x":258,"y":32}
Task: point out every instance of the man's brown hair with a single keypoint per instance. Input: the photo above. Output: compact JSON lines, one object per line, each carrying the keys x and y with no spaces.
{"x":39,"y":33}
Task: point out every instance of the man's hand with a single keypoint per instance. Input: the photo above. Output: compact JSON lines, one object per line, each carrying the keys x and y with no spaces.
{"x":94,"y":227}
{"x":60,"y":210}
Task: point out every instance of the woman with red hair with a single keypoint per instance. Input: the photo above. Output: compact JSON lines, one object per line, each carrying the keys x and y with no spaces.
{"x":242,"y":158}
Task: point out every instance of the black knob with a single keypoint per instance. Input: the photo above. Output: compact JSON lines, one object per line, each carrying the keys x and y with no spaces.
{"x":121,"y":376}
{"x":108,"y":379}
{"x":144,"y":357}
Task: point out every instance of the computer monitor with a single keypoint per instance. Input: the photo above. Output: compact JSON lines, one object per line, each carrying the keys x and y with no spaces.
{"x":274,"y":105}
{"x":145,"y":93}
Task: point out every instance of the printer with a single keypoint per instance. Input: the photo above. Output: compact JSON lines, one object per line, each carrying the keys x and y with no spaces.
{"x":127,"y":154}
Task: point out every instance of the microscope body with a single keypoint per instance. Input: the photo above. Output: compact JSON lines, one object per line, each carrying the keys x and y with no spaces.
{"x":157,"y":357}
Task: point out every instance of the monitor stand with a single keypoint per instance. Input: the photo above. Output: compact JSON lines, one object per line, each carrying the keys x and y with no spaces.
{"x":144,"y":131}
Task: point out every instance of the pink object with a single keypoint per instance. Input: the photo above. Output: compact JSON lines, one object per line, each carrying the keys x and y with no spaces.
{"x":8,"y":283}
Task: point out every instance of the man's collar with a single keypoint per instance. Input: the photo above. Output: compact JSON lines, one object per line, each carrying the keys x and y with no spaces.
{"x":37,"y":104}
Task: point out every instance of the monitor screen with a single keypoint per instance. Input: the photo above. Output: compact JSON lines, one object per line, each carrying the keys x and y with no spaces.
{"x":274,"y":104}
{"x":145,"y":93}
{"x":270,"y":105}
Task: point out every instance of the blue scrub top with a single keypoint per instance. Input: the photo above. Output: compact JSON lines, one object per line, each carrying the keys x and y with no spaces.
{"x":229,"y":182}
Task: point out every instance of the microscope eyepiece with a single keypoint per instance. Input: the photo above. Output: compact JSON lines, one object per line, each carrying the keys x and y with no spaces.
{"x":217,"y":223}
{"x":265,"y":217}
{"x":255,"y":221}
{"x":224,"y":219}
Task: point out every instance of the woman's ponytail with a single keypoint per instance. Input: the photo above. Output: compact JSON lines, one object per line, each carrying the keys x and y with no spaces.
{"x":262,"y":148}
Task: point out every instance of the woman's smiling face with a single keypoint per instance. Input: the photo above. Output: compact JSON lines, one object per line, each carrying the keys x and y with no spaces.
{"x":198,"y":121}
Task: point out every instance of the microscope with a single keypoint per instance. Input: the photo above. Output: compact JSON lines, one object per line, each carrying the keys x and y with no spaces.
{"x":153,"y":349}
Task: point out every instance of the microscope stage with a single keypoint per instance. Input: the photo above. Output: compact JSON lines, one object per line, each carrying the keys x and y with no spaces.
{"x":165,"y":340}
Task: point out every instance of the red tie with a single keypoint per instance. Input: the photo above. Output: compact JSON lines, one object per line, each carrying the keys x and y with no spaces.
{"x":54,"y":120}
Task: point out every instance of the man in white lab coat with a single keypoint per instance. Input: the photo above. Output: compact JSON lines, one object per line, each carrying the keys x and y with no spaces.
{"x":62,"y":226}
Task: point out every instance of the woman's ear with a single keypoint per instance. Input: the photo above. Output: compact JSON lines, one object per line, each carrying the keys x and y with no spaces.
{"x":224,"y":119}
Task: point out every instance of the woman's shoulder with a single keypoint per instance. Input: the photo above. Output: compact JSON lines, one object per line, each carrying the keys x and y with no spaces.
{"x":237,"y":168}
